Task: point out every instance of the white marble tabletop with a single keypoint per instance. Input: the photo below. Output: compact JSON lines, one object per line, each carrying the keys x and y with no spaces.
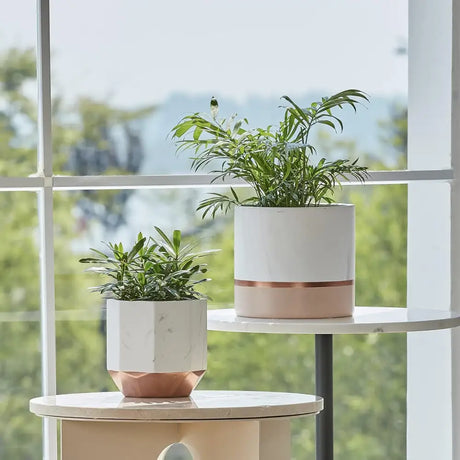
{"x":365,"y":320}
{"x":200,"y":406}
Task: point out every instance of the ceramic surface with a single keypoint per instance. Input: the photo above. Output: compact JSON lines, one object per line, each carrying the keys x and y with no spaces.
{"x":365,"y":320}
{"x":156,"y":337}
{"x":295,"y":262}
{"x":313,"y":244}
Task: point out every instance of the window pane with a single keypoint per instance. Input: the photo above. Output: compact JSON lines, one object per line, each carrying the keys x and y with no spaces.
{"x":381,"y":242}
{"x":172,"y":57}
{"x":370,"y":370}
{"x":81,"y":355}
{"x":84,"y":219}
{"x":18,"y":88}
{"x":263,"y":361}
{"x":20,"y":361}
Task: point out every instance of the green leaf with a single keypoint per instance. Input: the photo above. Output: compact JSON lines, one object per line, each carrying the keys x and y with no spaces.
{"x":197,"y":133}
{"x":176,"y":240}
{"x":163,"y":235}
{"x":99,"y":252}
{"x":92,"y":260}
{"x":328,"y":123}
{"x":136,"y":248}
{"x":182,"y":128}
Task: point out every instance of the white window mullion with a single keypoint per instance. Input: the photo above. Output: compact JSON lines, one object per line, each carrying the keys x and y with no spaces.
{"x":44,"y":152}
{"x":165,"y":181}
{"x":47,"y":315}
{"x":45,"y":214}
{"x":208,"y":180}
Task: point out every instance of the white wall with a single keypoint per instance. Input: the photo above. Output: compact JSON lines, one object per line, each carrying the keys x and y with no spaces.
{"x":430,"y":420}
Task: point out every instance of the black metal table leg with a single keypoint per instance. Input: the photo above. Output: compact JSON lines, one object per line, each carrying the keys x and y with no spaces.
{"x":324,"y":388}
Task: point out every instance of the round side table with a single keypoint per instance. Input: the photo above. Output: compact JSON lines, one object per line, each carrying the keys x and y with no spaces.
{"x":365,"y":320}
{"x":224,"y":425}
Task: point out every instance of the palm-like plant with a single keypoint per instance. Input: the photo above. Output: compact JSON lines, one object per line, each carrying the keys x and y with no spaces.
{"x":278,"y":164}
{"x":153,"y":269}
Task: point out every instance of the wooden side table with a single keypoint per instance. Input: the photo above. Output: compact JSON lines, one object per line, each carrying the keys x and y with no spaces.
{"x":214,"y":425}
{"x":365,"y":320}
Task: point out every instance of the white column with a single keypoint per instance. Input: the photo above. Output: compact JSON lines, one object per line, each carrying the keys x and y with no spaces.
{"x":455,"y":226}
{"x":430,"y":420}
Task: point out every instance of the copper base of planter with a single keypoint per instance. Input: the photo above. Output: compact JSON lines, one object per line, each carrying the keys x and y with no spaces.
{"x":307,"y":301}
{"x":156,"y":385}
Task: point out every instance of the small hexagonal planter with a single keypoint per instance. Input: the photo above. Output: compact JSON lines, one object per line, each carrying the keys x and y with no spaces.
{"x":156,"y":349}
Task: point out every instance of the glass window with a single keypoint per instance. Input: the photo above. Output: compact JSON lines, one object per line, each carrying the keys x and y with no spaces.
{"x":125,"y":74}
{"x":271,"y":362}
{"x":20,"y":365}
{"x":86,"y":218}
{"x":122,"y":77}
{"x":18,"y":88}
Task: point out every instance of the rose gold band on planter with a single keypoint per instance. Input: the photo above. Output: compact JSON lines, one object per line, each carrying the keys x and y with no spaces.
{"x":293,"y":284}
{"x":156,"y":384}
{"x":294,"y":300}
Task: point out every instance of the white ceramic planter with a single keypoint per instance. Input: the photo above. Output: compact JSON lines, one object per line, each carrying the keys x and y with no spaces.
{"x":156,"y":349}
{"x":295,"y":262}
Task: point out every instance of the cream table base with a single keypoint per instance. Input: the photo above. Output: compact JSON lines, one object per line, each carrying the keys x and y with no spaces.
{"x":211,"y":440}
{"x":214,"y":425}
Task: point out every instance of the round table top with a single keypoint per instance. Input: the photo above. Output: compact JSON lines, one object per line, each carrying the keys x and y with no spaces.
{"x":365,"y":320}
{"x":200,"y":406}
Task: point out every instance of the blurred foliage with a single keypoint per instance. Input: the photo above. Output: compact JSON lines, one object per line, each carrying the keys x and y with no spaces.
{"x":20,"y":368}
{"x":394,"y":133}
{"x":370,"y":370}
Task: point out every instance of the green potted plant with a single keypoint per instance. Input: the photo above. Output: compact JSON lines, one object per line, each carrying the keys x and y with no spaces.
{"x":294,"y":247}
{"x":156,"y":319}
